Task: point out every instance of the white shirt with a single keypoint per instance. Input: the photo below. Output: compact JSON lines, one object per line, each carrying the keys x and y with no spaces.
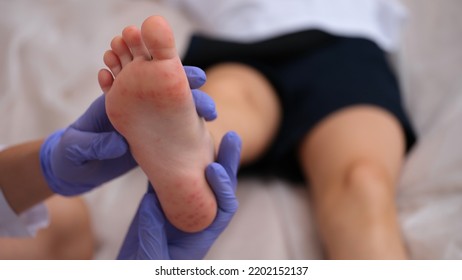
{"x":252,"y":20}
{"x":25,"y":224}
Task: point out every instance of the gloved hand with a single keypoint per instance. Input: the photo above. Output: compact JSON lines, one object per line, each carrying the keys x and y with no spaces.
{"x":91,"y":152}
{"x":151,"y":236}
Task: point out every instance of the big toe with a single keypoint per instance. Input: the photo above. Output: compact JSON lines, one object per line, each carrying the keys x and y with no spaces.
{"x":158,"y":37}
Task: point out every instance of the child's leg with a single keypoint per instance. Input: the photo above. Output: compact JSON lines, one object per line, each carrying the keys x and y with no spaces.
{"x":353,"y":159}
{"x":150,"y":104}
{"x":247,"y":104}
{"x":69,"y":235}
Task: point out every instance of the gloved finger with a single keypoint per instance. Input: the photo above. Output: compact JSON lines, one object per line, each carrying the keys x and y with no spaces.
{"x":153,"y":238}
{"x":95,"y":118}
{"x":205,"y":106}
{"x":229,"y":154}
{"x":222,"y":186}
{"x":196,"y":76}
{"x":146,"y":237}
{"x":151,"y":190}
{"x":130,"y":245}
{"x":85,"y":146}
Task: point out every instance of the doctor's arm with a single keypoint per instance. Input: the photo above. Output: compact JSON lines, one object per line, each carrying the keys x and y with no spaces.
{"x":21,"y":179}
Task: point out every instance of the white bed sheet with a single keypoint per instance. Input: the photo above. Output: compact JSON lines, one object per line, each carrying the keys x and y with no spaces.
{"x":50,"y":52}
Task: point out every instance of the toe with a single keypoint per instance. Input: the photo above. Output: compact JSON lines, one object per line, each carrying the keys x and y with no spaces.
{"x":105,"y":80}
{"x":132,"y":37}
{"x":121,"y":49}
{"x":158,"y":37}
{"x":112,"y":62}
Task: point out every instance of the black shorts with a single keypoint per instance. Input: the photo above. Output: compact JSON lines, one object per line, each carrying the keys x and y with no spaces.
{"x":314,"y":75}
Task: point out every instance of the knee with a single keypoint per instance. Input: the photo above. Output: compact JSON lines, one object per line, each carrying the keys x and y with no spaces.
{"x":368,"y":182}
{"x":69,"y":235}
{"x":364,"y":192}
{"x":232,"y":70}
{"x":366,"y":172}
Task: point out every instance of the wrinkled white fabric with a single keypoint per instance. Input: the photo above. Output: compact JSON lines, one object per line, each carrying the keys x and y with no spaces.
{"x":24,"y":225}
{"x":250,"y":20}
{"x":50,"y":53}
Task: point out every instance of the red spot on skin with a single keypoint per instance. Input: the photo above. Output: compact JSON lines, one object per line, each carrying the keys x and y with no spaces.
{"x":177,"y":217}
{"x":140,"y":96}
{"x":169,"y":76}
{"x":191,"y":198}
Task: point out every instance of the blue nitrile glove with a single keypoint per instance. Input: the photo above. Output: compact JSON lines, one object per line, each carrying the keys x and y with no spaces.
{"x":205,"y":105}
{"x":91,"y":152}
{"x":151,"y":236}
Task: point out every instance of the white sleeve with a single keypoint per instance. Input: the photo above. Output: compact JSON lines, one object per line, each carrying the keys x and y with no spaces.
{"x":25,"y":224}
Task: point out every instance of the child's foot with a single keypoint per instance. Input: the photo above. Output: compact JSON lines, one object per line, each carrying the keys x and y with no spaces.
{"x":149,"y":102}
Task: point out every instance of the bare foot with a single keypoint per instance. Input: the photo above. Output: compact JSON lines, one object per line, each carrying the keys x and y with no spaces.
{"x":149,"y":102}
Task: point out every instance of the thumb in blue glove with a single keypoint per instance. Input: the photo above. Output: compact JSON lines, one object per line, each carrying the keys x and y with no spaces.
{"x":91,"y":152}
{"x":151,"y":236}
